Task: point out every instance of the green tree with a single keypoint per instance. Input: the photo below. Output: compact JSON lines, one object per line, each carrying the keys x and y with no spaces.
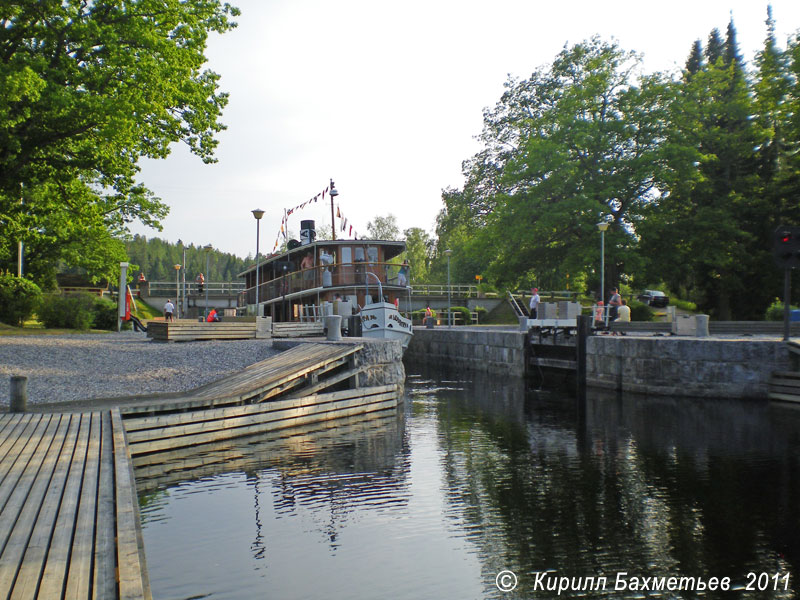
{"x":715,"y":218}
{"x":86,"y":90}
{"x":419,"y":251}
{"x":574,"y":144}
{"x":383,"y":228}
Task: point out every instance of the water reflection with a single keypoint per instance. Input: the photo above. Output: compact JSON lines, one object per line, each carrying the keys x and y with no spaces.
{"x":475,"y":475}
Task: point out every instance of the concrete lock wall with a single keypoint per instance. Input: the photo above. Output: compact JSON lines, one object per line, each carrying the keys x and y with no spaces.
{"x":717,"y":368}
{"x":501,"y":352}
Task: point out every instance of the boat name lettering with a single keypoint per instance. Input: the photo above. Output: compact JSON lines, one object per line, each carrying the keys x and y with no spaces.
{"x":397,"y":319}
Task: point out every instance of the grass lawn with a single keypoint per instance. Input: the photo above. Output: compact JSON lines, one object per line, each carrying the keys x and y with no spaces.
{"x":144,"y":312}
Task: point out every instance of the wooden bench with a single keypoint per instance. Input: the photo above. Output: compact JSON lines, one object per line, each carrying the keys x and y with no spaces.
{"x":185,"y":330}
{"x":69,"y":523}
{"x":298,"y":329}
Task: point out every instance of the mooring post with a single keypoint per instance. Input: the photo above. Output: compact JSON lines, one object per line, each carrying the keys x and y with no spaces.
{"x":19,"y":394}
{"x":584,"y":325}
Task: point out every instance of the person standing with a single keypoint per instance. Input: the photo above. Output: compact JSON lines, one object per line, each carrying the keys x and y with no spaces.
{"x":200,"y":282}
{"x":613,"y":304}
{"x":402,"y":275}
{"x":169,"y":308}
{"x":534,"y":304}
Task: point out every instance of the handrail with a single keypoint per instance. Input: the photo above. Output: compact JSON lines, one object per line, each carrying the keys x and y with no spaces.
{"x":157,"y":287}
{"x":380,"y":287}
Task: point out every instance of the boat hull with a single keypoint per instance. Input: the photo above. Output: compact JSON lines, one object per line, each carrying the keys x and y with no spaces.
{"x":383,"y":321}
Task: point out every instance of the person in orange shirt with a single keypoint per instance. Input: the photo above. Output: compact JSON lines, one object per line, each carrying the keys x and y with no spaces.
{"x":212,"y":316}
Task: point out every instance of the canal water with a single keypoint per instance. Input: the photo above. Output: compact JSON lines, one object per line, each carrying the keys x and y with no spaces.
{"x":477,"y":484}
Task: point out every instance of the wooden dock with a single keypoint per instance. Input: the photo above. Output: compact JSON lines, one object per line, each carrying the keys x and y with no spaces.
{"x":69,"y":516}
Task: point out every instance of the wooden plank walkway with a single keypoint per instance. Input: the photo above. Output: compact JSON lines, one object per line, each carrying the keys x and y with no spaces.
{"x":69,"y":516}
{"x":303,"y":365}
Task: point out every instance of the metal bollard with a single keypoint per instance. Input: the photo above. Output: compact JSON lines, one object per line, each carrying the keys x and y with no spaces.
{"x":19,"y":394}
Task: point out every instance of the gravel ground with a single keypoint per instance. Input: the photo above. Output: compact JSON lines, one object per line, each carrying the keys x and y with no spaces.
{"x":64,"y":368}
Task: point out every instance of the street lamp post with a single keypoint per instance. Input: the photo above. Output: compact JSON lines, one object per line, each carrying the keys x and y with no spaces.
{"x":602,"y":227}
{"x":208,"y":249}
{"x":448,"y":252}
{"x":257,"y":213}
{"x":178,"y":289}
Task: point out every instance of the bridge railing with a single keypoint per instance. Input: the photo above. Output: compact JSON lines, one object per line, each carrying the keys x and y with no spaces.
{"x":215,"y":288}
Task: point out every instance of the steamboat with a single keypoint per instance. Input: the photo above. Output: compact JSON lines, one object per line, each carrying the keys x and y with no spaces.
{"x":356,"y":279}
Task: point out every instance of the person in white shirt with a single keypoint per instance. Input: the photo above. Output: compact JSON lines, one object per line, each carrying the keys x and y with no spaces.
{"x":624,"y":312}
{"x":534,"y":305}
{"x":169,"y":308}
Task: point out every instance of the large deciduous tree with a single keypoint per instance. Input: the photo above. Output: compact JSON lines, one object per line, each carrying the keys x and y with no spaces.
{"x":87,"y":88}
{"x":574,"y":144}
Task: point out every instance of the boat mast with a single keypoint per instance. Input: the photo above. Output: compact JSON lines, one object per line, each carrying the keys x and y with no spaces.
{"x":333,"y":194}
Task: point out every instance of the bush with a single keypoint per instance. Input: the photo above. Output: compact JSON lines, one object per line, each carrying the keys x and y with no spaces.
{"x":640,"y":311}
{"x":775,"y":311}
{"x":466,"y":317}
{"x":483,"y":314}
{"x":105,"y":314}
{"x":19,"y":299}
{"x":68,"y":312}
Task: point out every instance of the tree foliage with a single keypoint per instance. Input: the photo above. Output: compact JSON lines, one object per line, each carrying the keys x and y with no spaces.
{"x":383,"y":228}
{"x":693,"y":173}
{"x":86,"y":90}
{"x":157,"y":259}
{"x":574,"y":144}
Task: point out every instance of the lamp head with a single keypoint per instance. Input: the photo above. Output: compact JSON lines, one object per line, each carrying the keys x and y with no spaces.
{"x":258,"y":213}
{"x":334,"y":191}
{"x":602,"y":226}
{"x":208,"y":247}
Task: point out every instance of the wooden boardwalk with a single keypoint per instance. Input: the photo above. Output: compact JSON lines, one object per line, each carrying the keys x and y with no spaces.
{"x":69,"y":516}
{"x":307,"y":367}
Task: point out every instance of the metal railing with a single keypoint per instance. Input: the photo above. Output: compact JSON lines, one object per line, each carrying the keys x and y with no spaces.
{"x":215,"y":288}
{"x":354,"y":274}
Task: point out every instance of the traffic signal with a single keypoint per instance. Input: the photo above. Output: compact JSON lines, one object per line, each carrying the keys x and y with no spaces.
{"x":786,"y":248}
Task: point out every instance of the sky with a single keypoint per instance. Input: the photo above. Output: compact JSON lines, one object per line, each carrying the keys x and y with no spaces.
{"x":387,"y":99}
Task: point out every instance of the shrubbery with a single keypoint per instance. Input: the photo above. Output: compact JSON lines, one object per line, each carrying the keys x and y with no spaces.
{"x":465,"y":319}
{"x":19,"y":299}
{"x":68,"y":312}
{"x":775,"y":311}
{"x":640,"y":311}
{"x":105,"y":314}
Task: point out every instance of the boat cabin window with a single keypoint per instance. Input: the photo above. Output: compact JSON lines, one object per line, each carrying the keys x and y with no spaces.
{"x":359,"y":254}
{"x":347,"y":255}
{"x":372,"y":253}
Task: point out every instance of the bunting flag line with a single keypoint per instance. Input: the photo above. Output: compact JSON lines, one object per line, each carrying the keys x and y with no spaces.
{"x":284,"y":230}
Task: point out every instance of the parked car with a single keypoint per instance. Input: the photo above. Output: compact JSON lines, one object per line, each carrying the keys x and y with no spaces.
{"x":654,"y":298}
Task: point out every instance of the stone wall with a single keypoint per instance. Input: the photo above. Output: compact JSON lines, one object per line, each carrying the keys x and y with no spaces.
{"x":495,"y":351}
{"x":734,"y":368}
{"x":382,"y":360}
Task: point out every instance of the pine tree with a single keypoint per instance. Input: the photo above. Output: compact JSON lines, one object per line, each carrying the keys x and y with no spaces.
{"x":715,"y":48}
{"x":695,"y":61}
